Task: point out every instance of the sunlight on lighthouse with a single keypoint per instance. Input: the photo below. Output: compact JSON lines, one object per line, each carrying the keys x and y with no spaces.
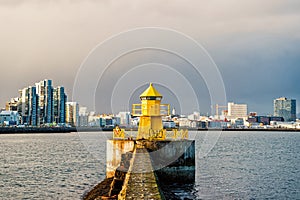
{"x":150,"y":112}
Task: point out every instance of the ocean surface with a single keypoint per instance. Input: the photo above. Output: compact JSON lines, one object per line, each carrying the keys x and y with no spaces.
{"x":241,"y":165}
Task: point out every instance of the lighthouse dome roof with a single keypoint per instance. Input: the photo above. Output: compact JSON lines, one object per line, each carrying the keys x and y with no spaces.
{"x":151,"y":92}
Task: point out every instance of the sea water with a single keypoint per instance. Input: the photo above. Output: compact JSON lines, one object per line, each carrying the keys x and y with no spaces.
{"x":241,"y":165}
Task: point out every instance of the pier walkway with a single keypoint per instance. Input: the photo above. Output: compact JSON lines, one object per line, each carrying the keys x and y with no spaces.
{"x":140,"y":181}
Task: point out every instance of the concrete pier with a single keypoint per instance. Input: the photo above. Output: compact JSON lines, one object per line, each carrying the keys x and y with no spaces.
{"x":173,"y":161}
{"x":141,"y":181}
{"x":138,"y":169}
{"x":114,"y":151}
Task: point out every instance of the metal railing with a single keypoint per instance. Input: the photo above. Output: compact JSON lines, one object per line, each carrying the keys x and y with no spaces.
{"x":154,"y":110}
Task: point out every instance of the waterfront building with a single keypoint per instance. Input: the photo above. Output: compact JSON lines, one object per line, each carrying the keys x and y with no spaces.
{"x":83,"y":116}
{"x":40,"y":104}
{"x":44,"y":90}
{"x":125,"y":118}
{"x":59,"y":103}
{"x":108,"y":121}
{"x":194,"y":116}
{"x":72,"y":113}
{"x":12,"y":105}
{"x":173,"y":111}
{"x":285,"y":108}
{"x":214,"y":124}
{"x":276,"y":119}
{"x":237,"y":110}
{"x":184,"y":122}
{"x":116,"y":121}
{"x":264,"y":120}
{"x":101,"y":122}
{"x":28,"y":106}
{"x":94,"y":120}
{"x":9,"y":118}
{"x":253,"y":114}
{"x":169,"y":124}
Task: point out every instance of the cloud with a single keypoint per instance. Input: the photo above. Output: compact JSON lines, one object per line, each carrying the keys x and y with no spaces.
{"x":50,"y":39}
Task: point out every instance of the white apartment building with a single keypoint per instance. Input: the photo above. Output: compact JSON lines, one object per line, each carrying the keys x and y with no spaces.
{"x":237,"y":111}
{"x":9,"y":118}
{"x":72,"y":113}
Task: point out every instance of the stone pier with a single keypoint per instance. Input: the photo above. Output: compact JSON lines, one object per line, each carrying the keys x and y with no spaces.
{"x":114,"y":151}
{"x":139,"y":169}
{"x":141,"y":181}
{"x":173,"y":161}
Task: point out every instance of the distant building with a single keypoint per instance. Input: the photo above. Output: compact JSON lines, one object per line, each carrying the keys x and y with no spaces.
{"x":169,"y":124}
{"x":125,"y":118}
{"x":83,"y":116}
{"x":264,"y":120}
{"x":44,"y":90}
{"x":173,"y":111}
{"x":194,"y":116}
{"x":184,"y":122}
{"x":40,"y":104}
{"x":72,"y":113}
{"x":276,"y":119}
{"x":237,"y":110}
{"x":12,"y":105}
{"x":9,"y":118}
{"x":59,"y":105}
{"x":217,"y":124}
{"x":108,"y":121}
{"x":239,"y":123}
{"x":28,"y":106}
{"x":253,"y":114}
{"x":225,"y":113}
{"x":285,"y":108}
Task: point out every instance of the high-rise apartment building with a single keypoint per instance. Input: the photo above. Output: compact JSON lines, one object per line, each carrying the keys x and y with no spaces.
{"x":40,"y":104}
{"x":12,"y":105}
{"x":237,"y":110}
{"x":59,"y":105}
{"x":72,"y":113}
{"x":83,"y":116}
{"x":28,"y":106}
{"x":285,"y":108}
{"x":125,"y":118}
{"x":45,"y":92}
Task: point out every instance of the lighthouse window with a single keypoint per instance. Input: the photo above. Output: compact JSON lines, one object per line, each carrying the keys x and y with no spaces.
{"x":151,"y":98}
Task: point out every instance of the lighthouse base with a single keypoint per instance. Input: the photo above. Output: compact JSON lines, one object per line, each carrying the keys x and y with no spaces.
{"x":173,"y":161}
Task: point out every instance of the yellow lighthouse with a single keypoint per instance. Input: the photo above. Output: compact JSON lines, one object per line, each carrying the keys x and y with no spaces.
{"x":150,"y":112}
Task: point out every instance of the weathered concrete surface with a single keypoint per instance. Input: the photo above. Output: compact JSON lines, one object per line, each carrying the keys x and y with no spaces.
{"x":114,"y":151}
{"x":111,"y":187}
{"x":173,"y":161}
{"x":140,"y":181}
{"x":141,"y":168}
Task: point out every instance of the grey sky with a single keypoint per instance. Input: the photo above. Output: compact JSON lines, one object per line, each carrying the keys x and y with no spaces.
{"x":256,"y":44}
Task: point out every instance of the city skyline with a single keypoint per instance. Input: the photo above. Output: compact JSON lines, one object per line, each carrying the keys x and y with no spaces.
{"x":44,"y":105}
{"x":60,"y":90}
{"x":254,"y":44}
{"x":39,"y":104}
{"x":51,"y":104}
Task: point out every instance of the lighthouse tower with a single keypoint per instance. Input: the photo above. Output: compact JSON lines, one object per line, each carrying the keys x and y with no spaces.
{"x":150,"y":112}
